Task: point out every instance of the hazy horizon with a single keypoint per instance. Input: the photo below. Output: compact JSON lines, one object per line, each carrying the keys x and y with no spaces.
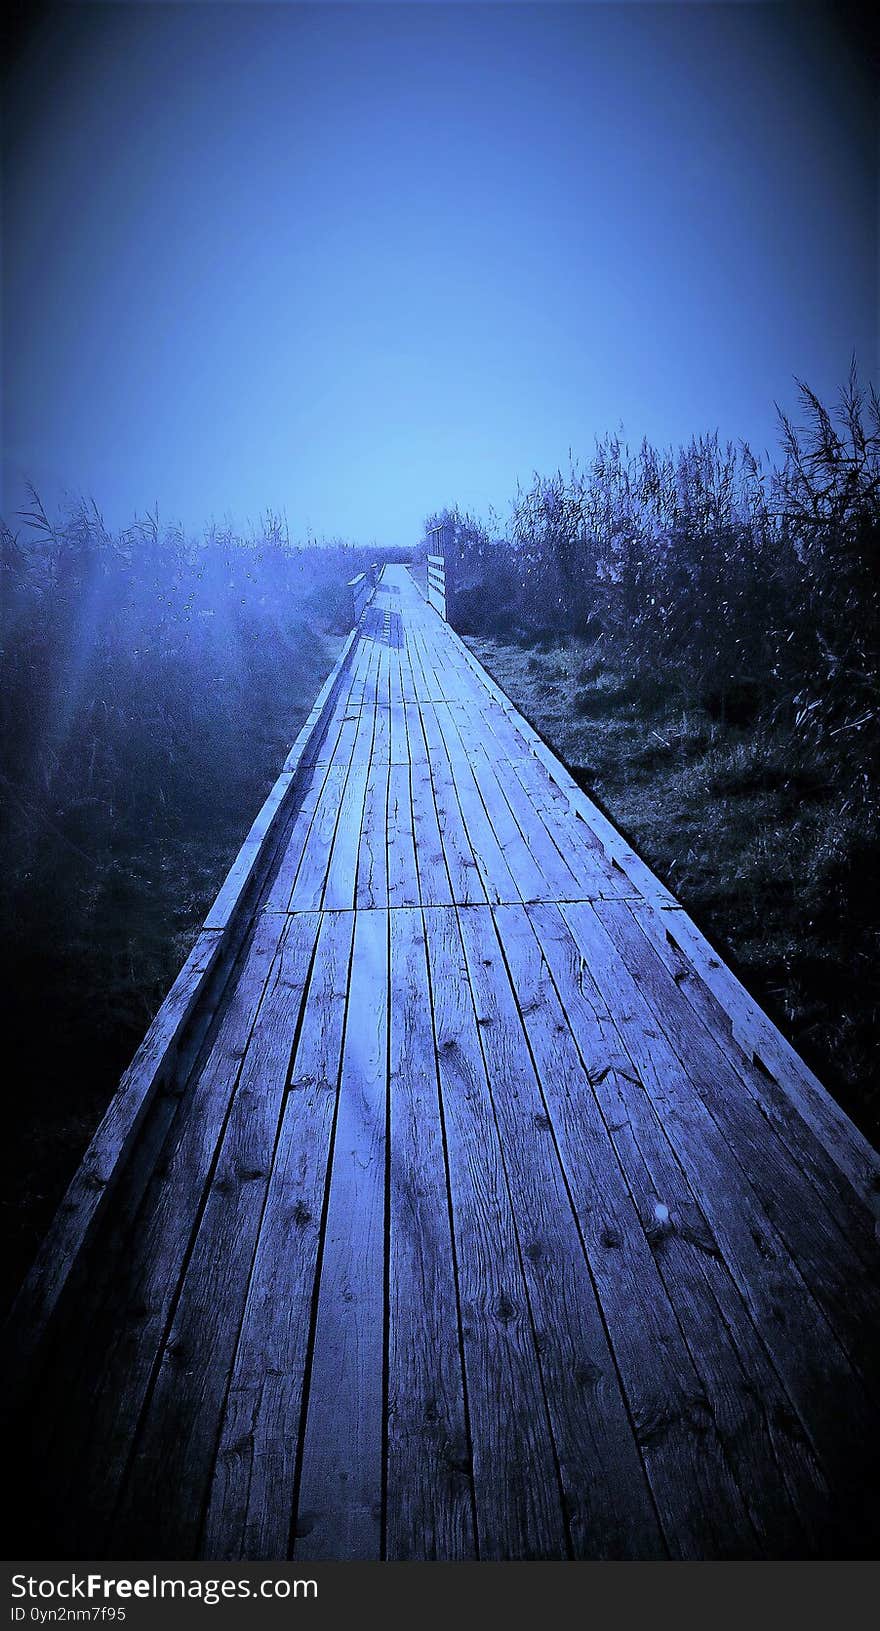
{"x":357,"y":262}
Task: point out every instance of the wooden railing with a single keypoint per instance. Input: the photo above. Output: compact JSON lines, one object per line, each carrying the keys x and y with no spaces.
{"x":437,"y":584}
{"x":362,"y":588}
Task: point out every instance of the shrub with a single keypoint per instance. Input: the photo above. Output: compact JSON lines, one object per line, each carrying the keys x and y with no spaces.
{"x":754,"y":591}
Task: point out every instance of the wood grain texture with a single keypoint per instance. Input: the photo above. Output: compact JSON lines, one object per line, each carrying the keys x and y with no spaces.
{"x":103,"y":1403}
{"x":340,"y":1494}
{"x":429,"y":1491}
{"x":812,"y":1363}
{"x":724,"y":1346}
{"x":786,"y":1089}
{"x":459,"y":1202}
{"x":608,"y":1504}
{"x":250,"y":1510}
{"x":169,"y":1474}
{"x":516,"y":1482}
{"x":838,"y":1276}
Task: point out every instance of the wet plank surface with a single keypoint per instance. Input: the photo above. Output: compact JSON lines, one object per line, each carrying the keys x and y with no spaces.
{"x":470,"y":1224}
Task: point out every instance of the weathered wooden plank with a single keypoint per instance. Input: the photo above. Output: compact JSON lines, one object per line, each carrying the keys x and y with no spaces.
{"x":499,"y":725}
{"x":317,"y":745}
{"x":339,"y":725}
{"x":322,"y":785}
{"x":461,"y":865}
{"x":516,"y":1485}
{"x":429,"y":1494}
{"x":341,"y":881}
{"x":321,"y":708}
{"x":579,"y":843}
{"x":344,"y":706}
{"x":666,"y":1405}
{"x":435,"y":888}
{"x":840,"y":1279}
{"x":381,"y":753}
{"x":619,"y":851}
{"x":372,"y":866}
{"x":101,"y":1412}
{"x":340,"y":1491}
{"x":414,"y":659}
{"x":513,"y":757}
{"x":403,"y":876}
{"x":415,"y":736}
{"x":558,"y":880}
{"x":407,"y":676}
{"x":587,"y":1090}
{"x":276,"y":897}
{"x":372,"y":855}
{"x":757,"y":1037}
{"x":492,"y":718}
{"x":433,"y":676}
{"x":399,"y":742}
{"x":498,"y":880}
{"x":810,"y":1361}
{"x":311,"y":875}
{"x":350,"y":697}
{"x":757,"y":1419}
{"x":597,"y":877}
{"x":169,"y":1475}
{"x":852,"y":1209}
{"x":252,"y":1492}
{"x":531,"y":866}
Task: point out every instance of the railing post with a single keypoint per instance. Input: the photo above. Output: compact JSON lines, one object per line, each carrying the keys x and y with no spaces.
{"x":437,"y":584}
{"x":361,"y":589}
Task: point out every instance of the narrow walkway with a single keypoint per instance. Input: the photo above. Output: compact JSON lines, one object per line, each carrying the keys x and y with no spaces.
{"x":469,"y":1218}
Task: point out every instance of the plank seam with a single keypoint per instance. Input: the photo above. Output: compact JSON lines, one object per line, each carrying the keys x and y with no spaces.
{"x":517,"y":1234}
{"x":688,"y":1186}
{"x":612,"y":1351}
{"x":292,"y":1053}
{"x":316,"y":1287}
{"x":453,"y":1243}
{"x":201,"y":1207}
{"x":92,"y":1185}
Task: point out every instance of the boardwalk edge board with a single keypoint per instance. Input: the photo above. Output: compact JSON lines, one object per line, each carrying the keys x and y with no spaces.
{"x":94,"y":1181}
{"x":751,"y":1028}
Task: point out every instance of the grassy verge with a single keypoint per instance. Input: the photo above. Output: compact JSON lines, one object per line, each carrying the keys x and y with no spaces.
{"x":100,"y":909}
{"x":744,"y":824}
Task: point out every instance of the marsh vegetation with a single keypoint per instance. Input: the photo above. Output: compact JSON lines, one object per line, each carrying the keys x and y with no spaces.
{"x":696,"y":634}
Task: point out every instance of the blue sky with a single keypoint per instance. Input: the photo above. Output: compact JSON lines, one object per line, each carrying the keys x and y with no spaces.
{"x":360,"y":261}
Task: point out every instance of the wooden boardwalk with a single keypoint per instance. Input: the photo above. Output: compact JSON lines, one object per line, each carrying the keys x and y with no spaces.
{"x":459,"y":1203}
